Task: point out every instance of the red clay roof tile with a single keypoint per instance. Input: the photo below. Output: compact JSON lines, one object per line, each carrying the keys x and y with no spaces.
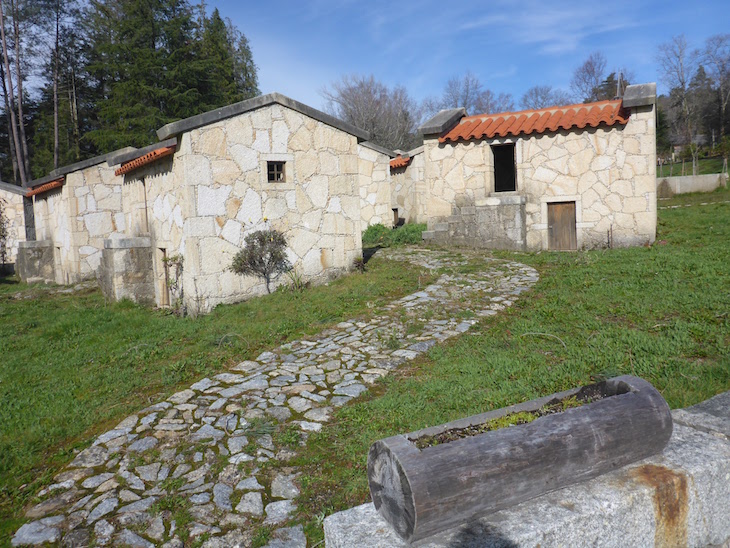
{"x":58,"y":183}
{"x":400,"y":161}
{"x":526,"y":122}
{"x":148,"y":158}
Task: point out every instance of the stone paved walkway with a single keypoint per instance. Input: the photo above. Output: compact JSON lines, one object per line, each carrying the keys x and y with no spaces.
{"x":201,"y":448}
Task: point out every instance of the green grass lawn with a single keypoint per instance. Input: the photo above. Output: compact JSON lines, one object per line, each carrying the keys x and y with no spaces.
{"x":660,"y":312}
{"x":73,"y":365}
{"x":705,"y":166}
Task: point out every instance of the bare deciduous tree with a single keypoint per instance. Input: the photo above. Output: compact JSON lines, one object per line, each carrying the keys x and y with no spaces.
{"x":588,"y":77}
{"x":389,"y":115}
{"x":678,"y":64}
{"x":468,"y":92}
{"x":716,"y":58}
{"x":544,"y":96}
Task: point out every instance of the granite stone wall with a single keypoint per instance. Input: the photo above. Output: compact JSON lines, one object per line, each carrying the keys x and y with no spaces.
{"x":219,"y":181}
{"x":408,"y":189}
{"x":375,"y":187}
{"x":12,"y":202}
{"x":78,"y":217}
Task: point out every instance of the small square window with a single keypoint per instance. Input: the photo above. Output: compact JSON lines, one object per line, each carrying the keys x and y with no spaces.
{"x":275,"y":172}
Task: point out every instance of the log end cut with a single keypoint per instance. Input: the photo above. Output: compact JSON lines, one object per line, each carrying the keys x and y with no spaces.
{"x":391,"y":490}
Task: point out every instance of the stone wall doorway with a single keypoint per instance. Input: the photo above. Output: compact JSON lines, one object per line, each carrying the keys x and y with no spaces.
{"x":561,"y":226}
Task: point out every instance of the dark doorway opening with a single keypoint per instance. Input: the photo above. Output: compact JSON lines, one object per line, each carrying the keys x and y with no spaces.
{"x":505,"y":173}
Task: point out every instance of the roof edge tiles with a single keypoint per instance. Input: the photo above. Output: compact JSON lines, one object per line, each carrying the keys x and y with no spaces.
{"x":210,"y":117}
{"x":147,"y":159}
{"x":527,"y":122}
{"x":129,"y":155}
{"x":45,"y":187}
{"x":400,"y":161}
{"x":442,"y":121}
{"x":13,"y":189}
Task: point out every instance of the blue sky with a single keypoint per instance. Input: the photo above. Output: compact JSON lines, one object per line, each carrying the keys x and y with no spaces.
{"x":302,"y":46}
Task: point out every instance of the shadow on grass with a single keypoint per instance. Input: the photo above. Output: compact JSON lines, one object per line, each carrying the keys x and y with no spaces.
{"x":368,"y":252}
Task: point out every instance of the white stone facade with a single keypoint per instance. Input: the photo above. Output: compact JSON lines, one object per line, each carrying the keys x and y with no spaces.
{"x":204,"y":201}
{"x":78,"y":217}
{"x":12,"y":203}
{"x":375,"y":187}
{"x":409,"y":188}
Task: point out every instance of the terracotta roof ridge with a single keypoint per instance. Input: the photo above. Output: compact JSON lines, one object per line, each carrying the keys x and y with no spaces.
{"x":148,"y":158}
{"x":56,"y":183}
{"x":528,"y":112}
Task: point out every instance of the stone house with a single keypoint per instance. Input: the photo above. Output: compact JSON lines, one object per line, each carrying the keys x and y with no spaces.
{"x":75,"y":208}
{"x":268,"y":162}
{"x":161,"y":224}
{"x":12,"y":198}
{"x":572,"y":177}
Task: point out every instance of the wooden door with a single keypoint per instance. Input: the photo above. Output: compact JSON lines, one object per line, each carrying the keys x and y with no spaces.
{"x":561,"y":226}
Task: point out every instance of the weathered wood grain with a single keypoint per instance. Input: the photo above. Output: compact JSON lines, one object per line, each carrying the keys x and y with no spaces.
{"x":423,"y":492}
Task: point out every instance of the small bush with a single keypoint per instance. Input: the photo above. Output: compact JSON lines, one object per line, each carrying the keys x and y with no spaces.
{"x":379,"y":235}
{"x":264,"y":255}
{"x":375,"y":235}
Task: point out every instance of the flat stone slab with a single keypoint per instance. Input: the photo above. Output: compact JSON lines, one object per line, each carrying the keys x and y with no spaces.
{"x":712,"y":416}
{"x":678,"y":498}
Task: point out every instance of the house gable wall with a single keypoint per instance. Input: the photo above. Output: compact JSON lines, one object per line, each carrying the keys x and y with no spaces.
{"x":222,"y":170}
{"x":607,"y":171}
{"x":13,"y":207}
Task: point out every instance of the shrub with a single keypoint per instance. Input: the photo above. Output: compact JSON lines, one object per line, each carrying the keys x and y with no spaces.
{"x":385,"y":237}
{"x":264,"y":255}
{"x":375,"y":235}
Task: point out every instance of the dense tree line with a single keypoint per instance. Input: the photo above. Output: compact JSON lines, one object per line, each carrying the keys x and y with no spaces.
{"x":109,"y":73}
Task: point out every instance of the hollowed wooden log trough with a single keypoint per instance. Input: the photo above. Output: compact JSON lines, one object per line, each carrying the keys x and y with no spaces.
{"x":421,"y":492}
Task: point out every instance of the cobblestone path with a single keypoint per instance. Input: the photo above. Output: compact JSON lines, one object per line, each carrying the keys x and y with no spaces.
{"x":201,"y":448}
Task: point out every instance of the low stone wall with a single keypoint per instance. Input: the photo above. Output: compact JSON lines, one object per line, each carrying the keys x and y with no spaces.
{"x":499,"y":223}
{"x":667,"y":187}
{"x":126,"y":270}
{"x":678,"y":498}
{"x":36,"y":262}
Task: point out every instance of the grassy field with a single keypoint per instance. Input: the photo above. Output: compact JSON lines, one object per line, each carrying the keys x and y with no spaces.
{"x":705,"y":166}
{"x":73,"y":365}
{"x":660,"y":312}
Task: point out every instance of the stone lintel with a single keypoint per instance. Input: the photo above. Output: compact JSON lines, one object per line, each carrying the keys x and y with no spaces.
{"x":34,"y":244}
{"x":13,"y":189}
{"x":127,"y":155}
{"x":212,"y":116}
{"x":640,"y":95}
{"x":127,"y":243}
{"x":633,"y":503}
{"x":378,"y":148}
{"x":441,"y":122}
